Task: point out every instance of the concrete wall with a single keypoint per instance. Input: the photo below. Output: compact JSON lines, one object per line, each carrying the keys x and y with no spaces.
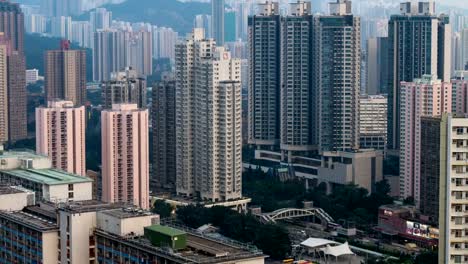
{"x":16,"y":201}
{"x":81,"y":226}
{"x":123,"y":227}
{"x":59,"y":193}
{"x":50,"y":245}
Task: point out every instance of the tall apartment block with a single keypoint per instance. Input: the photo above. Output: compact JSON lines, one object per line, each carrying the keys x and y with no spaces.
{"x":453,"y":210}
{"x":264,"y":77}
{"x":163,"y":116}
{"x":65,"y":74}
{"x":337,"y":81}
{"x":373,"y":122}
{"x":109,"y":53}
{"x":140,"y":52}
{"x":417,"y":26}
{"x":377,"y":66}
{"x":208,"y":120}
{"x":12,"y":24}
{"x":297,"y":129}
{"x":164,"y":40}
{"x":100,"y":19}
{"x":459,"y":95}
{"x":60,"y":135}
{"x":430,"y":169}
{"x":125,"y":87}
{"x":4,"y":92}
{"x":16,"y":91}
{"x":427,"y":96}
{"x":125,"y":175}
{"x":217,"y":21}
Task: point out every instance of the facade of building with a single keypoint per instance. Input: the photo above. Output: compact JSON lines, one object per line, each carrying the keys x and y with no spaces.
{"x":125,"y":165}
{"x":109,"y":53}
{"x":453,"y":213}
{"x":416,"y":26}
{"x":377,"y":66}
{"x":61,"y":27}
{"x":164,"y":134}
{"x":337,"y":78}
{"x":32,"y":76}
{"x":100,"y":19}
{"x":81,"y":33}
{"x":4,"y":93}
{"x":208,"y":120}
{"x":423,"y":97}
{"x":217,"y":21}
{"x":12,"y":24}
{"x":35,"y":173}
{"x":164,"y":40}
{"x":264,"y":76}
{"x":65,"y":74}
{"x":60,"y":135}
{"x":430,"y":168}
{"x":296,"y":103}
{"x":140,"y":52}
{"x":373,"y":122}
{"x":125,"y":87}
{"x":459,"y":95}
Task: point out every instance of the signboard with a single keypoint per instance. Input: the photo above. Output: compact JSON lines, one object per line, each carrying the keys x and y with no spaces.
{"x":421,"y":230}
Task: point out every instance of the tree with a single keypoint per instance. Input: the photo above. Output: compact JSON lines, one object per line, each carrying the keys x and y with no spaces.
{"x":162,"y":208}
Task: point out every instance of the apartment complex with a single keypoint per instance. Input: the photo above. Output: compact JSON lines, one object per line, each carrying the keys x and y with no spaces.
{"x":164,"y":40}
{"x":304,"y":79}
{"x":208,"y":120}
{"x":427,"y":96}
{"x":125,"y":175}
{"x":65,"y":74}
{"x":217,"y":21}
{"x":164,"y":134}
{"x":4,"y":93}
{"x":60,"y":135}
{"x":417,"y":26}
{"x":459,"y":95}
{"x":373,"y":122}
{"x":124,"y":87}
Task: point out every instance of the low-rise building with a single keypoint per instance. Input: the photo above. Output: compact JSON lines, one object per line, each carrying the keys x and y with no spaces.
{"x":15,"y":198}
{"x":34,"y":172}
{"x":361,"y":167}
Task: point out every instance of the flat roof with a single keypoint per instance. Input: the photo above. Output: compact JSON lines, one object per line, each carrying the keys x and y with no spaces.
{"x":166,"y":230}
{"x":6,"y":189}
{"x":21,"y":153}
{"x":89,"y":206}
{"x":47,"y":176}
{"x":35,"y":222}
{"x":129,"y":212}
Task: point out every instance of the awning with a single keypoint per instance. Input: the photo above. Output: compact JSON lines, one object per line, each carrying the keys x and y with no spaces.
{"x":337,"y":251}
{"x":317,"y":242}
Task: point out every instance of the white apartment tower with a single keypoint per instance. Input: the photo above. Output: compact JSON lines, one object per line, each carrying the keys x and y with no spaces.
{"x":208,"y":120}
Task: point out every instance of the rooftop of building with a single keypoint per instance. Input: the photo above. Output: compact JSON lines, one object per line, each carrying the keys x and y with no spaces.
{"x":90,"y":206}
{"x":126,"y":212}
{"x":20,"y":154}
{"x":29,"y":220}
{"x":200,"y":248}
{"x":47,"y":176}
{"x":6,"y":189}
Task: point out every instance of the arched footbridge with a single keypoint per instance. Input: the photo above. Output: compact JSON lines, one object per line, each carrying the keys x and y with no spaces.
{"x":291,"y":213}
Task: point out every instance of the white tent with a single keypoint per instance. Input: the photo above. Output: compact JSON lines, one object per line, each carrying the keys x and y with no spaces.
{"x":337,"y":251}
{"x":313,"y":243}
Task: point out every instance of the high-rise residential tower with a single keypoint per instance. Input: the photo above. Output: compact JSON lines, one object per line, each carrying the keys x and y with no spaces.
{"x":4,"y":92}
{"x":264,"y":77}
{"x":125,"y":87}
{"x":164,"y":134}
{"x":336,"y":77}
{"x":125,"y":164}
{"x":65,"y":74}
{"x":373,"y":122}
{"x":296,"y":105}
{"x":377,"y":66}
{"x":217,"y":20}
{"x":109,"y":53}
{"x":60,"y":134}
{"x":208,"y":120}
{"x":419,"y":44}
{"x":100,"y":19}
{"x":422,"y":97}
{"x":453,"y":213}
{"x":164,"y":40}
{"x":12,"y":24}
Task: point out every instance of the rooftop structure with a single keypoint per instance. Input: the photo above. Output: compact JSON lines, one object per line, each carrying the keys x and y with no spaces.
{"x":32,"y":221}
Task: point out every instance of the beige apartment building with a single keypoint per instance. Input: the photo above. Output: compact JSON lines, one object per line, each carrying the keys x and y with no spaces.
{"x":60,"y":135}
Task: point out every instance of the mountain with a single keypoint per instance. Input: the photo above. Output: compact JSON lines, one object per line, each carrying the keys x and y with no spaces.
{"x":169,"y":13}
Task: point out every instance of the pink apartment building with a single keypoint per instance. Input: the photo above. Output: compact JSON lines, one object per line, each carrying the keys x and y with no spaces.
{"x":427,"y":96}
{"x":60,"y":134}
{"x":460,"y":96}
{"x":125,"y":160}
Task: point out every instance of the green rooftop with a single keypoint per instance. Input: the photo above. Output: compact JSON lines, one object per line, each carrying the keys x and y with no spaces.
{"x":47,"y":176}
{"x":166,"y":230}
